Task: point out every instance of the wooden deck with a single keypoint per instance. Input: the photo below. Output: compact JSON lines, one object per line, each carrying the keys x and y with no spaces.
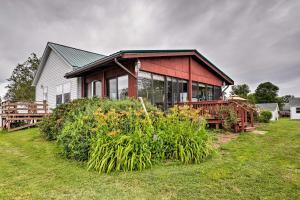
{"x":211,"y":111}
{"x":19,"y":115}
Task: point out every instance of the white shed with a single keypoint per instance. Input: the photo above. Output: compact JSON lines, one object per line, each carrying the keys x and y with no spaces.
{"x":272,"y":107}
{"x":295,"y":108}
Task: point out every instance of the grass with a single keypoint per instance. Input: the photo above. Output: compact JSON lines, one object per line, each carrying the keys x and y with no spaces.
{"x":250,"y":167}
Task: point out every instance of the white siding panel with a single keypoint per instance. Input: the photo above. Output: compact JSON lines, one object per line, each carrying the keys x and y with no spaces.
{"x":294,"y":115}
{"x":52,"y":75}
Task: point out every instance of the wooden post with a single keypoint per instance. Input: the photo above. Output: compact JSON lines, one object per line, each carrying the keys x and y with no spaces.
{"x":243,"y":120}
{"x":252,"y":119}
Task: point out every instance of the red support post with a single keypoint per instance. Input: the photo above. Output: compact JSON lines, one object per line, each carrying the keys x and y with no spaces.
{"x":102,"y":84}
{"x":190,"y":82}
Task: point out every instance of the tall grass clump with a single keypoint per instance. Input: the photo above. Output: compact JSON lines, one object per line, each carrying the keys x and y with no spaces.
{"x":115,"y":135}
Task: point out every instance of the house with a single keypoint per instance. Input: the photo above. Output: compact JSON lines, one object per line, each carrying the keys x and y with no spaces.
{"x":163,"y":77}
{"x":57,"y":60}
{"x":272,"y":107}
{"x":285,"y":110}
{"x":295,"y":108}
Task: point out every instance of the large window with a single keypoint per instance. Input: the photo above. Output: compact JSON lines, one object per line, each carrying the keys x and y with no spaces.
{"x":160,"y":90}
{"x":199,"y":92}
{"x":298,"y":110}
{"x":118,"y":87}
{"x":202,"y":92}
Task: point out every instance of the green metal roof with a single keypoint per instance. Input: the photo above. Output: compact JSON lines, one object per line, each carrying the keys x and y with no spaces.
{"x":75,"y":57}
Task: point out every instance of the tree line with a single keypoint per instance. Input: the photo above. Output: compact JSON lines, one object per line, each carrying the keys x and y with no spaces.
{"x":265,"y":92}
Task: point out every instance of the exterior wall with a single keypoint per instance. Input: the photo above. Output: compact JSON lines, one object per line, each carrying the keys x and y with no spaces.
{"x":294,"y":115}
{"x":275,"y":115}
{"x":179,"y":67}
{"x":52,"y":75}
{"x":111,"y":72}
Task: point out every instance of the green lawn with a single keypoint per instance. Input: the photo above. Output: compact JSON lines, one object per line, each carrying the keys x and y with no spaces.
{"x":250,"y":167}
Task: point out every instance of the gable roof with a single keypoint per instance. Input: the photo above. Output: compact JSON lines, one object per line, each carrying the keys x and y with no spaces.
{"x":267,"y":106}
{"x":294,"y":102}
{"x":127,"y":54}
{"x":73,"y":57}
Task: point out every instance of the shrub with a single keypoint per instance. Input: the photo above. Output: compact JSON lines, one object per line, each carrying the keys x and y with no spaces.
{"x":229,"y":117}
{"x":80,"y":122}
{"x":265,"y":116}
{"x":119,"y":136}
{"x":182,"y":136}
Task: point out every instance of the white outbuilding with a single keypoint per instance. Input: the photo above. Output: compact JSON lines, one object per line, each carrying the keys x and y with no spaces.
{"x":295,"y":108}
{"x":272,"y":107}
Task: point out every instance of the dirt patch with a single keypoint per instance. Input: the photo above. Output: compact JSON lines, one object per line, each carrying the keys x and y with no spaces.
{"x":259,"y":132}
{"x":224,"y":138}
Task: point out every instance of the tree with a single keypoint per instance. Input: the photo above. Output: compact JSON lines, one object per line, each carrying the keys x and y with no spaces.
{"x":287,"y":98}
{"x":240,"y":90}
{"x":266,"y":93}
{"x":251,"y":98}
{"x":19,"y":87}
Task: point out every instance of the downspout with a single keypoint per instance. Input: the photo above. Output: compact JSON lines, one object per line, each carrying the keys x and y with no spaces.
{"x":124,"y":68}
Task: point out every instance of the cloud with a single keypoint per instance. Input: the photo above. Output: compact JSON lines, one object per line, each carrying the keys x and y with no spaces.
{"x":252,"y":41}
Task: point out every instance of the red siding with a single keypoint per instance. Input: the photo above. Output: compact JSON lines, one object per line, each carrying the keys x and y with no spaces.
{"x":204,"y":75}
{"x":179,"y":67}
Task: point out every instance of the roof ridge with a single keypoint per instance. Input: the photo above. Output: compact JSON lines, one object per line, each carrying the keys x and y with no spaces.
{"x":75,"y":48}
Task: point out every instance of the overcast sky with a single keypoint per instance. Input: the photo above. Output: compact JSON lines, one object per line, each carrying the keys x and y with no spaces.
{"x":251,"y":41}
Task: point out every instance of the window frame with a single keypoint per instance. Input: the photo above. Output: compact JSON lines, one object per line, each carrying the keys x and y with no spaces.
{"x":117,"y":86}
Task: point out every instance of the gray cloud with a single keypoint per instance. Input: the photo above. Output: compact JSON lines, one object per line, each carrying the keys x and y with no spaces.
{"x":252,"y":41}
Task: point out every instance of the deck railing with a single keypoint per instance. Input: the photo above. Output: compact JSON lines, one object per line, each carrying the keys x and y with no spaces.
{"x":212,"y":111}
{"x":18,"y":115}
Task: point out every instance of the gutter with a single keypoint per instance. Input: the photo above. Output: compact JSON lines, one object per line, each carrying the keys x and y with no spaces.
{"x":92,"y":65}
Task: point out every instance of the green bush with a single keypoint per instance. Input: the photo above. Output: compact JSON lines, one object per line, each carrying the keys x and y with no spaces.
{"x":118,"y":135}
{"x":181,"y":135}
{"x":265,"y":116}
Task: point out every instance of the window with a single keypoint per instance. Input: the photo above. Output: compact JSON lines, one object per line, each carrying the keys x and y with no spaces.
{"x":122,"y":87}
{"x":202,"y":92}
{"x":183,"y":90}
{"x":118,"y":87}
{"x":94,"y":89}
{"x":159,"y":90}
{"x":199,"y":92}
{"x":145,"y":85}
{"x":298,"y":110}
{"x":59,"y":95}
{"x":63,"y":93}
{"x":45,"y":93}
{"x":217,"y":92}
{"x":163,"y":91}
{"x":67,"y":92}
{"x":210,"y":92}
